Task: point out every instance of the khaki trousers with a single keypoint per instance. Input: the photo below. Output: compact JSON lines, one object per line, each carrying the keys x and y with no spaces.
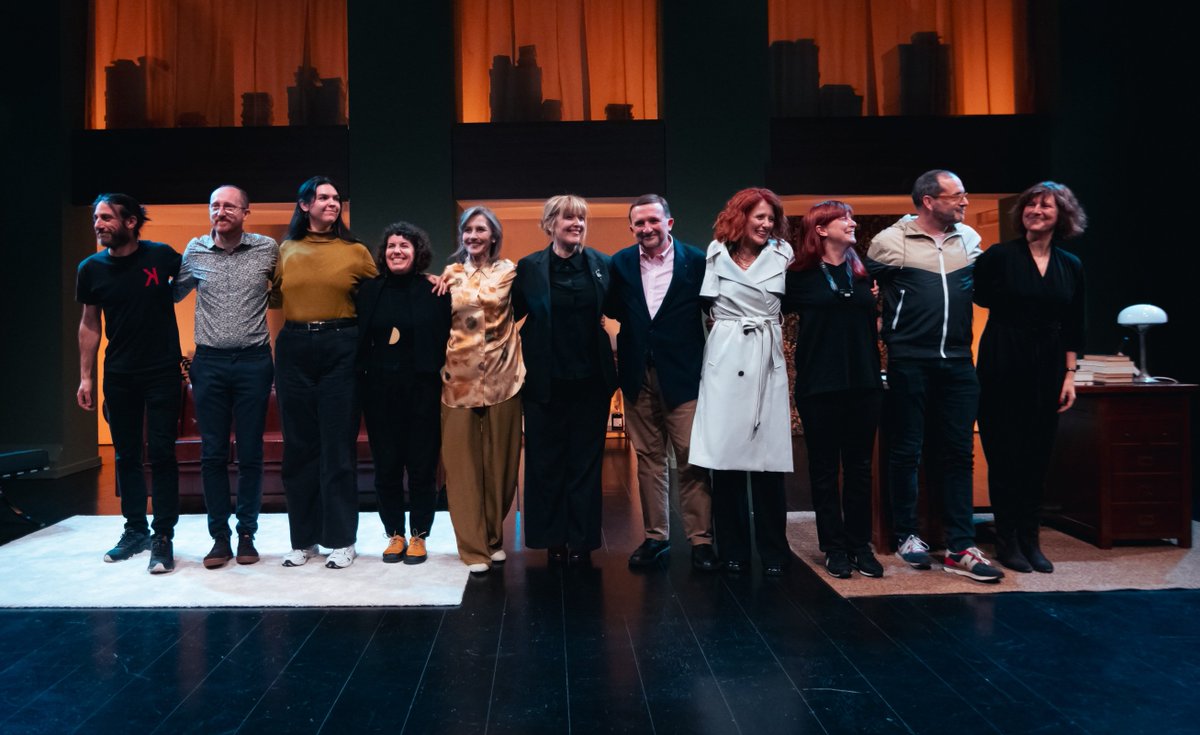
{"x":652,"y":428}
{"x":481,"y":451}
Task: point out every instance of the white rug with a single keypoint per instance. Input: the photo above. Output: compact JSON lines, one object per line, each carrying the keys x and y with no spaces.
{"x":63,"y":566}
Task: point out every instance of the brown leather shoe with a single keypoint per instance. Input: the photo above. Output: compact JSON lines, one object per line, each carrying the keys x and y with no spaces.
{"x":220,"y":555}
{"x":416,"y":551}
{"x":246,"y":553}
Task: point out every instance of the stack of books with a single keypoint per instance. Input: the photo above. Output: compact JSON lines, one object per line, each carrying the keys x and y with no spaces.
{"x":1105,"y":369}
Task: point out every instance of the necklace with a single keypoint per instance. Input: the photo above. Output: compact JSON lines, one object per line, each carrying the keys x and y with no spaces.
{"x":743,"y":262}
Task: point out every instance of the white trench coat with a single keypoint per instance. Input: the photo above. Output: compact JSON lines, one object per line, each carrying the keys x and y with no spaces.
{"x":743,"y":421}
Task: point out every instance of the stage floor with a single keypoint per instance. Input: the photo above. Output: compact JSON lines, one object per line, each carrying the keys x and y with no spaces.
{"x":538,"y":649}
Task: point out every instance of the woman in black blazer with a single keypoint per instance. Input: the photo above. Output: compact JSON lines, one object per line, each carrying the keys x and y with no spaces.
{"x":403,"y":328}
{"x":570,"y":378}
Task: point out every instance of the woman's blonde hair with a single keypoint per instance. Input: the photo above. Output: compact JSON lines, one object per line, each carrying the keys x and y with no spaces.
{"x":566,"y":204}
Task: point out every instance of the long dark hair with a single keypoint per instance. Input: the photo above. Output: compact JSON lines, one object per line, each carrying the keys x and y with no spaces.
{"x":298,"y":227}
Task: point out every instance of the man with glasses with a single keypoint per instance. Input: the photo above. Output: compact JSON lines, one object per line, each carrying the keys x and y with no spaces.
{"x":924,"y":265}
{"x":232,"y":370}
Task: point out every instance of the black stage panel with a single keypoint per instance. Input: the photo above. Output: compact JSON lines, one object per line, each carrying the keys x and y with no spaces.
{"x":540,"y":159}
{"x":183,"y":165}
{"x":884,"y":155}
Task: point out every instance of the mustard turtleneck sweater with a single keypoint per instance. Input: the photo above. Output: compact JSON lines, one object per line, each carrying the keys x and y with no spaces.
{"x":317,"y":276}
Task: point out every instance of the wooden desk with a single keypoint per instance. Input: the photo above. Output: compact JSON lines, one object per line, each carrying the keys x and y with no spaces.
{"x":1122,"y":468}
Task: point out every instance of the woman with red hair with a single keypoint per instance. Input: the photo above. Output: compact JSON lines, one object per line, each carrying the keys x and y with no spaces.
{"x":742,"y":428}
{"x":838,"y":390}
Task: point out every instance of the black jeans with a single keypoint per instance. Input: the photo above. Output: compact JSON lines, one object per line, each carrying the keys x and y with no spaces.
{"x":231,"y":389}
{"x":731,"y":515}
{"x":151,"y":401}
{"x":564,"y":450}
{"x":839,"y":429}
{"x":318,"y":408}
{"x":404,"y":425}
{"x":951,"y":387}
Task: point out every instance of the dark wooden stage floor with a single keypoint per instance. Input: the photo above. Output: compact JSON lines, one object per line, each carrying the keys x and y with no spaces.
{"x":534,"y":649}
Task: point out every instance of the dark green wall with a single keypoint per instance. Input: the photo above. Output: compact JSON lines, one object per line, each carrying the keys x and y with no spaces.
{"x":402,"y":112}
{"x":715,"y":101}
{"x":39,"y":368}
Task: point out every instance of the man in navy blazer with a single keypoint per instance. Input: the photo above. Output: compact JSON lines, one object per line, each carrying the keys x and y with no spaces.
{"x":655,"y":295}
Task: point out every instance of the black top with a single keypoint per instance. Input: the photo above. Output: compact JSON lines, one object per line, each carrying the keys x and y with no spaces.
{"x":391,"y":333}
{"x":531,"y":300}
{"x":836,"y":343}
{"x":1033,"y":319}
{"x":408,"y":304}
{"x":575,"y":317}
{"x":134,"y":293}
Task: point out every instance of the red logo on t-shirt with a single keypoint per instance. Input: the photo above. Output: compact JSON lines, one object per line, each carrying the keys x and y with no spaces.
{"x":151,"y":276}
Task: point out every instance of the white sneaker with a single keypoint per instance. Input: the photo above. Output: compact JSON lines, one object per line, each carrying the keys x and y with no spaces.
{"x":341,"y":558}
{"x":479,"y":568}
{"x":499,"y":556}
{"x":297,"y":557}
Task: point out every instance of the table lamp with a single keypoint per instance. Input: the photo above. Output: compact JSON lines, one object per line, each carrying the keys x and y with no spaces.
{"x":1141,"y":317}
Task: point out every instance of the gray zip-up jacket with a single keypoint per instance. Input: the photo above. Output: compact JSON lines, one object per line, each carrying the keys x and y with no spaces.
{"x":926,"y":289}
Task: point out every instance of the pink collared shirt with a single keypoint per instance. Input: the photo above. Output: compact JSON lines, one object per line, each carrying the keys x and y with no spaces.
{"x":656,"y":274}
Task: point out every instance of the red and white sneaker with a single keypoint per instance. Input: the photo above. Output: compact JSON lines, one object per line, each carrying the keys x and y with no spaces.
{"x":971,"y":563}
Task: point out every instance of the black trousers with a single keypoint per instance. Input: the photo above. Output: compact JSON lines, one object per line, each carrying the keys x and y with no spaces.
{"x":1017,"y":424}
{"x":564,"y":450}
{"x":232,"y":389}
{"x":318,"y":408}
{"x":150,"y":401}
{"x":404,"y":426}
{"x":731,"y":515}
{"x":839,"y":429}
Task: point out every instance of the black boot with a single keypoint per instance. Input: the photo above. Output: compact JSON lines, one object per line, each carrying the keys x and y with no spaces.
{"x":1008,"y":553}
{"x":1033,"y":552}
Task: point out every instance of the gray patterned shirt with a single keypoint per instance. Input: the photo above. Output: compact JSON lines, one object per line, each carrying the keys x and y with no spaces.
{"x":231,"y":289}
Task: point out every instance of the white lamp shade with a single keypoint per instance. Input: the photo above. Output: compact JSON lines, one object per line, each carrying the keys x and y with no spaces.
{"x":1141,"y":314}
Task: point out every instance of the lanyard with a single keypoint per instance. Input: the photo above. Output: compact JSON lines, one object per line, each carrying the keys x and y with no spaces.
{"x":845,"y":293}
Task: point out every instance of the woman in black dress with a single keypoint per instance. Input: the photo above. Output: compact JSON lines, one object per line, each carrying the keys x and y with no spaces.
{"x":404,"y":327}
{"x":838,"y":389}
{"x":1034,"y":291}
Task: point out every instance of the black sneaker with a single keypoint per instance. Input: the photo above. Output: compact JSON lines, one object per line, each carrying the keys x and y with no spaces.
{"x":866,"y":563}
{"x":837,"y":563}
{"x":131,"y":543}
{"x":162,"y":555}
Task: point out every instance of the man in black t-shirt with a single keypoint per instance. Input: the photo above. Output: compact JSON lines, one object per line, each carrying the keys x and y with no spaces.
{"x":129,"y":282}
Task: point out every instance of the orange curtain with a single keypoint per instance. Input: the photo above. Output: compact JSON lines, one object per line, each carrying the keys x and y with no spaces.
{"x":591,"y":53}
{"x":858,"y":40}
{"x":202,"y":55}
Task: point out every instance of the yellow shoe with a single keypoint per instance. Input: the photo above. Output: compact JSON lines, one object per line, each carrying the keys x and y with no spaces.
{"x":395,"y":549}
{"x":416,"y":551}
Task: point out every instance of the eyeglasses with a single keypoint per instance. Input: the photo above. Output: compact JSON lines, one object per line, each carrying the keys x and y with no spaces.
{"x":224,"y":208}
{"x":953,"y":197}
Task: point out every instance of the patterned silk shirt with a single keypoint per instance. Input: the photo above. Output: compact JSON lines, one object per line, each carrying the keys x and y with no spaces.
{"x":231,"y":289}
{"x":483,"y":357}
